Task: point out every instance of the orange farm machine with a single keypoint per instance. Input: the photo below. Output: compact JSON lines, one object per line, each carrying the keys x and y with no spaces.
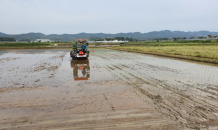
{"x":80,"y":53}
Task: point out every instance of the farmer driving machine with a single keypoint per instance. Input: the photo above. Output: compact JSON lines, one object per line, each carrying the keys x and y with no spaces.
{"x":80,"y":54}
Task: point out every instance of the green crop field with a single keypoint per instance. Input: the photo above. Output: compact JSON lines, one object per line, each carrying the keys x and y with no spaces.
{"x":8,"y":45}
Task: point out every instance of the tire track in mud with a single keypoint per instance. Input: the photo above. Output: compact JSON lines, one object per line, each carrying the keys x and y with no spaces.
{"x":175,"y":104}
{"x":179,"y":95}
{"x":8,"y":59}
{"x":112,"y":107}
{"x":49,"y":64}
{"x":121,"y":74}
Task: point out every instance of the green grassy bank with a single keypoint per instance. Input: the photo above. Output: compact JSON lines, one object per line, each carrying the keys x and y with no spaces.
{"x":172,"y":43}
{"x":203,"y":52}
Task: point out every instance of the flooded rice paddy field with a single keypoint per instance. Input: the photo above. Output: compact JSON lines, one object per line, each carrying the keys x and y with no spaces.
{"x":45,"y":89}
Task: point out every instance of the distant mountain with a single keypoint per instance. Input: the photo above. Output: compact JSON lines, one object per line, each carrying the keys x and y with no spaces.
{"x":135,"y":35}
{"x":2,"y":34}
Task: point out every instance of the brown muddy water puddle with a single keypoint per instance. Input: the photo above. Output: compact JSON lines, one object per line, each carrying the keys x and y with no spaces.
{"x":45,"y":89}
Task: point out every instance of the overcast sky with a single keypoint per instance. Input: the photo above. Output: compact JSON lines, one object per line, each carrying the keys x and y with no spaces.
{"x":107,"y":16}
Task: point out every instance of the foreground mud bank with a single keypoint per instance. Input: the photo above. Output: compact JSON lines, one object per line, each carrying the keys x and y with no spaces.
{"x":190,"y":58}
{"x":45,"y":89}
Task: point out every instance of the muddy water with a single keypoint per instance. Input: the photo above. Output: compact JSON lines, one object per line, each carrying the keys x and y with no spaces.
{"x":45,"y":89}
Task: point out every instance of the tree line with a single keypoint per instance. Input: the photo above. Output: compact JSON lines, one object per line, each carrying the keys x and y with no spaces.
{"x":7,"y":39}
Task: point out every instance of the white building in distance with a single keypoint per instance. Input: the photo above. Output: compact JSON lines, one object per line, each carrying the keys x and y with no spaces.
{"x":42,"y":40}
{"x":114,"y":41}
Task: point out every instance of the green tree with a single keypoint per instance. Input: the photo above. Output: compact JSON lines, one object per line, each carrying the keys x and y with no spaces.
{"x":7,"y":39}
{"x":129,"y":39}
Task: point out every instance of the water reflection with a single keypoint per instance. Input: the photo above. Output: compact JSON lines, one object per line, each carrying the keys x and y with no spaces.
{"x":81,"y":69}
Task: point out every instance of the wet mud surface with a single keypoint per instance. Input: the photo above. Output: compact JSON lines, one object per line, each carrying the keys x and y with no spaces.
{"x":45,"y":89}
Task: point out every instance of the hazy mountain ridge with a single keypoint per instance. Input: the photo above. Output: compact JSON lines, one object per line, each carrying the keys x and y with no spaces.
{"x":136,"y":35}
